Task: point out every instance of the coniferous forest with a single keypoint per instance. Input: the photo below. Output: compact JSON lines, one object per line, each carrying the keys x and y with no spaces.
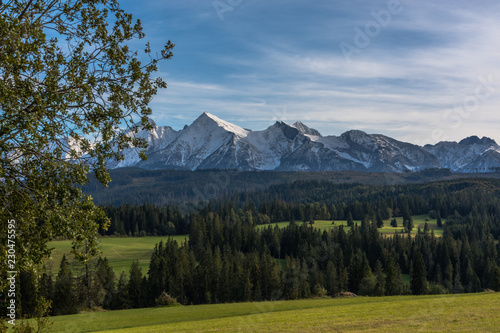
{"x":228,"y":259}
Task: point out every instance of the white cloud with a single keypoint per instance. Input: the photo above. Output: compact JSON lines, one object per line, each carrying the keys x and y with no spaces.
{"x":429,"y":59}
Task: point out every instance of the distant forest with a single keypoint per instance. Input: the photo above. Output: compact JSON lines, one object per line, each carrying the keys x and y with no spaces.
{"x":188,"y":189}
{"x":316,"y":200}
{"x":228,"y":259}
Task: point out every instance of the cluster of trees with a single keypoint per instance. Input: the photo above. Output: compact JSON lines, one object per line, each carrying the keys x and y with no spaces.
{"x":324,"y":200}
{"x":145,"y":220}
{"x":70,"y":290}
{"x":309,"y":201}
{"x":229,"y":259}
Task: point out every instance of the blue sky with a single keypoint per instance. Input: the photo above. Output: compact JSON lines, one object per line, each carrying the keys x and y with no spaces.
{"x":419,"y":71}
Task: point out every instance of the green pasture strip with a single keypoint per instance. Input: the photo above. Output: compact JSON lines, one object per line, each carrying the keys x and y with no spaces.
{"x":120,"y":251}
{"x":463,"y":312}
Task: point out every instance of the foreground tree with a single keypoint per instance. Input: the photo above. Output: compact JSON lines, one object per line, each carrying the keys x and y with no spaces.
{"x":70,"y":88}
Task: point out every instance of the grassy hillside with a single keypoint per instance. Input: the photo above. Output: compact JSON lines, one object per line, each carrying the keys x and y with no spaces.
{"x":121,"y":252}
{"x":464,"y":312}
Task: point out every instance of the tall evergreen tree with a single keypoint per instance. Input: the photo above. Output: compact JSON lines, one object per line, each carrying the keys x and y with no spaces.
{"x":393,"y":281}
{"x":134,"y":287}
{"x":65,"y":300}
{"x":379,"y":275}
{"x":105,"y":277}
{"x":46,"y":285}
{"x":350,"y":221}
{"x":495,"y":279}
{"x":121,"y":299}
{"x":418,"y":276}
{"x":28,"y":291}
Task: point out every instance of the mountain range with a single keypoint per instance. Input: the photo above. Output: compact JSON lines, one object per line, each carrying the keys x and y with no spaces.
{"x":212,"y":143}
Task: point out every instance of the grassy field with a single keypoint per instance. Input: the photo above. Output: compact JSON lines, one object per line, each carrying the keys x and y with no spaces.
{"x":121,"y":252}
{"x":464,"y":313}
{"x":418,"y":222}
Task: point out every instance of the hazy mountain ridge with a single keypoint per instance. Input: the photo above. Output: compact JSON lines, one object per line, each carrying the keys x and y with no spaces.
{"x":212,"y":143}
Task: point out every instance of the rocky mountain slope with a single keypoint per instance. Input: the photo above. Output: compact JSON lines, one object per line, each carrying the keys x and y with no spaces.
{"x":212,"y":143}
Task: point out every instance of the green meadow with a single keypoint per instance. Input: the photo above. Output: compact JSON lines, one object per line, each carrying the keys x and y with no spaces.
{"x":418,"y":222}
{"x":459,"y":313}
{"x":120,"y":251}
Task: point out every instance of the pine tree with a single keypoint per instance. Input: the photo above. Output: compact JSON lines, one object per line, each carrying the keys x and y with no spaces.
{"x":359,"y":269}
{"x":28,"y":292}
{"x":290,"y":278}
{"x":332,"y":281}
{"x":134,"y":285}
{"x":380,"y":284}
{"x":304,"y":285}
{"x":495,"y":279}
{"x":418,"y":276}
{"x":350,"y":221}
{"x":448,"y":276}
{"x":380,"y":222}
{"x":65,"y":300}
{"x":106,"y":278}
{"x":439,"y":221}
{"x":471,"y":281}
{"x":426,"y":228}
{"x":121,"y":299}
{"x":46,"y":285}
{"x":457,"y":284}
{"x":393,"y":281}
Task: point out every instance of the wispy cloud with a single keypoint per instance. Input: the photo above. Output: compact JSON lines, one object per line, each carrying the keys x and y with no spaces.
{"x":274,"y":60}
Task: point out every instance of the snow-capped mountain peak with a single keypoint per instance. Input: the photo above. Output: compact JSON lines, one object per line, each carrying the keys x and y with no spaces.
{"x":212,"y":143}
{"x":208,"y":117}
{"x":304,"y":129}
{"x":469,"y":155}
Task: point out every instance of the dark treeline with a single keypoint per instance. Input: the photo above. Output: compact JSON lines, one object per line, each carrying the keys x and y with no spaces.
{"x":229,"y":259}
{"x":306,"y":201}
{"x":187,"y":188}
{"x":145,"y":220}
{"x":324,"y":199}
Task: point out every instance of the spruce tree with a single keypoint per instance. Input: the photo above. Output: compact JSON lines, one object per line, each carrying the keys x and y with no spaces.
{"x":134,"y":285}
{"x":350,"y":221}
{"x":332,"y":280}
{"x":121,"y":299}
{"x":393,"y":282}
{"x":495,"y":279}
{"x":439,"y":221}
{"x":418,"y":276}
{"x":106,"y":278}
{"x":28,"y":292}
{"x":380,"y":222}
{"x":46,"y":285}
{"x":380,"y":285}
{"x":65,"y":300}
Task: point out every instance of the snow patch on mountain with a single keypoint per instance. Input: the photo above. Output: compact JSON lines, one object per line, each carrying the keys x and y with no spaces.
{"x":210,"y":142}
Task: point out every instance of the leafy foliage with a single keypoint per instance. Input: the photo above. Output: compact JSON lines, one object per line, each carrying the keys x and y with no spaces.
{"x":70,"y":86}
